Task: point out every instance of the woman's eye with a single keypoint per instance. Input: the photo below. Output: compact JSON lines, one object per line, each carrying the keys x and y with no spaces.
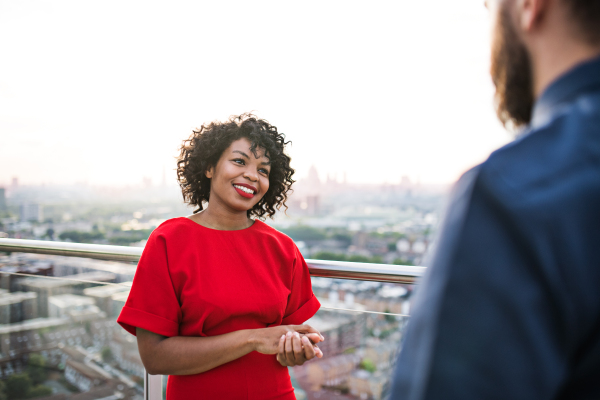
{"x":239,"y":161}
{"x":264,"y":171}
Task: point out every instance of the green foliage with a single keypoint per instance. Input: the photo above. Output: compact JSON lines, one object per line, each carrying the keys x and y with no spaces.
{"x":305,"y":233}
{"x":386,"y":333}
{"x":107,"y":354}
{"x":389,"y":318}
{"x":81,"y":237}
{"x":346,"y":238}
{"x":367,"y":365}
{"x":39,"y":391}
{"x":401,"y":261}
{"x":327,"y":255}
{"x":17,"y":386}
{"x":3,"y":391}
{"x":125,"y":238}
{"x":358,"y":258}
{"x":36,"y":368}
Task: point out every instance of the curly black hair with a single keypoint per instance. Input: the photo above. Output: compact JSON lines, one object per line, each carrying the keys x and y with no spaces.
{"x":206,"y":145}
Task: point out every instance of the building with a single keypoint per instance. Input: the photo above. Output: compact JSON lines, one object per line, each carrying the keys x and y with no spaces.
{"x":125,"y":351}
{"x":366,"y":385}
{"x":330,"y":371}
{"x":342,"y":331}
{"x":2,"y":199}
{"x":85,"y":376}
{"x":19,"y":339}
{"x":70,"y":284}
{"x":31,"y":212}
{"x":103,"y":296}
{"x":77,"y":308}
{"x":17,"y":306}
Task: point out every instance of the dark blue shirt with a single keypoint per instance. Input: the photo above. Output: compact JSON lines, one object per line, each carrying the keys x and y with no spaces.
{"x":509,"y":307}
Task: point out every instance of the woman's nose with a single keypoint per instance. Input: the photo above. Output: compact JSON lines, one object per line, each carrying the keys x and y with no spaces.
{"x":251,"y":175}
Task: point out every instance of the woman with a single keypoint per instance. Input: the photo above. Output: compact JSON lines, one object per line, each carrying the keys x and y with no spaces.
{"x":218,"y":297}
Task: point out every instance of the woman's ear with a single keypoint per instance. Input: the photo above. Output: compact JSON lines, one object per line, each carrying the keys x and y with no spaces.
{"x":209,"y":172}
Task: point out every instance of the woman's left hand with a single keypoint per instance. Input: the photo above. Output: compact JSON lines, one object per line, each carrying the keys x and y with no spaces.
{"x":296,"y":349}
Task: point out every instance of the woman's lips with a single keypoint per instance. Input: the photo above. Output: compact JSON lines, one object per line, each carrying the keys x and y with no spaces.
{"x":240,"y":189}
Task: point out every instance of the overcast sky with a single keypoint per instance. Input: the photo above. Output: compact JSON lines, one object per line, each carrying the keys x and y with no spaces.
{"x":104,"y":92}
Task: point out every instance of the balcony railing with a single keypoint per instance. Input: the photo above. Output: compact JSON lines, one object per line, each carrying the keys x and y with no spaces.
{"x":318,"y":268}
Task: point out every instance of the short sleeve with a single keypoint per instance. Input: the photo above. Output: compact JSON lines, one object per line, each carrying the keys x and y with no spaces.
{"x":152,"y":303}
{"x":302,"y":303}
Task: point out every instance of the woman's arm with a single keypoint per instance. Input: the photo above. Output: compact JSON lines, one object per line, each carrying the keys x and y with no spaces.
{"x":187,"y":355}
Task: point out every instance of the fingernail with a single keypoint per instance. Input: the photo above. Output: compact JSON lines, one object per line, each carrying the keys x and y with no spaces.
{"x":297,"y":334}
{"x":322,"y":338}
{"x":305,"y":339}
{"x":289,"y":334}
{"x":282,"y":337}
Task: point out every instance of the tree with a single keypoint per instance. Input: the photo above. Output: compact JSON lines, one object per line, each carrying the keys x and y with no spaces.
{"x":3,"y":391}
{"x":107,"y":355}
{"x":17,"y":386}
{"x":367,"y":365}
{"x":39,"y":391}
{"x":389,"y":318}
{"x":36,"y":368}
{"x":327,"y":255}
{"x":81,"y":237}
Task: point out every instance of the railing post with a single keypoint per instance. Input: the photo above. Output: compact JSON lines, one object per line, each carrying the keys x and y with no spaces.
{"x":152,"y":386}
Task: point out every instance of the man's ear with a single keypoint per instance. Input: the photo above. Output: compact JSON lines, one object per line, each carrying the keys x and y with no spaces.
{"x":209,"y":172}
{"x":530,"y":13}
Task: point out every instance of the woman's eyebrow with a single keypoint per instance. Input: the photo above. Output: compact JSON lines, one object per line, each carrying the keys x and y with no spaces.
{"x":241,"y":152}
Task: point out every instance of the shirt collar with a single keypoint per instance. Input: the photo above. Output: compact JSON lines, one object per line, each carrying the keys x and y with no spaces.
{"x":565,"y":89}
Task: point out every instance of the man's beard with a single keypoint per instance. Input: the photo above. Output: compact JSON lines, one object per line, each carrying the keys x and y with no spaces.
{"x":511,"y":73}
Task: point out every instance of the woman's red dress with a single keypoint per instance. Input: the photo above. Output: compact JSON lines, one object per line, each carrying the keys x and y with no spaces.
{"x":196,"y":281}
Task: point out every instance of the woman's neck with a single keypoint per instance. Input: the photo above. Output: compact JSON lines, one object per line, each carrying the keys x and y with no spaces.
{"x":221,"y":219}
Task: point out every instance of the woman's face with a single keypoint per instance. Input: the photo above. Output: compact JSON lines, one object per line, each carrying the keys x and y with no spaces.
{"x":240,"y":178}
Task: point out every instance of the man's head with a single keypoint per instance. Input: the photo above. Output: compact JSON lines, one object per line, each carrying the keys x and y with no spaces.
{"x":533,"y":42}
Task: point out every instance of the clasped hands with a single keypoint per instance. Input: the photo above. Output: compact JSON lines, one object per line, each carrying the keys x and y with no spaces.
{"x":293,"y":344}
{"x":296,"y":348}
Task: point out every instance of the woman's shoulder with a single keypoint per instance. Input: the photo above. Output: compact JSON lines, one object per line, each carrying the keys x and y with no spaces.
{"x":268,"y":230}
{"x":173,"y":227}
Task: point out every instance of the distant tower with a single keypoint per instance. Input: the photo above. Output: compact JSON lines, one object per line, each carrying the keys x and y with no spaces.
{"x":405,"y":181}
{"x":15,"y":183}
{"x":313,"y":177}
{"x":2,"y":199}
{"x":313,"y":181}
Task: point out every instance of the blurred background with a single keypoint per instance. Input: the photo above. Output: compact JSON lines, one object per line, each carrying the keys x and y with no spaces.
{"x":386,"y":104}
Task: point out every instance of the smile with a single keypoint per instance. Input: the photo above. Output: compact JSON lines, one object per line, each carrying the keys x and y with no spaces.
{"x":245,"y":191}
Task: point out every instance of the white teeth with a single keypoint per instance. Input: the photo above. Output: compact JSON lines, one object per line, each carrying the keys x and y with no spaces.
{"x":244,"y":189}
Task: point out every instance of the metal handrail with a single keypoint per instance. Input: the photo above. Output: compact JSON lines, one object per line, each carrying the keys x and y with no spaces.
{"x":321,"y":268}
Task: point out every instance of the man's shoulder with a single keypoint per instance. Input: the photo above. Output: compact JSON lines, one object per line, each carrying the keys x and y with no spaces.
{"x":556,"y":162}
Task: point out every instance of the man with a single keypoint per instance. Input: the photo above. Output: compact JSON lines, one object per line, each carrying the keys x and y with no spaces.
{"x":510,"y":305}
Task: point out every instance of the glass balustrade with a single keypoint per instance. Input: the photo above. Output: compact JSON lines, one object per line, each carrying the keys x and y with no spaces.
{"x":59,"y":336}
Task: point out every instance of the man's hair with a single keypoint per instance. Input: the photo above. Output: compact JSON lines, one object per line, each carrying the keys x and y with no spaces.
{"x":586,"y":15}
{"x":206,"y":145}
